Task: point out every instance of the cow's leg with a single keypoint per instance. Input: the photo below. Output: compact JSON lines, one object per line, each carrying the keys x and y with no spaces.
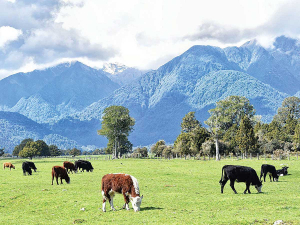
{"x":232,"y":186}
{"x":265,"y":177}
{"x":247,"y":188}
{"x":104,"y":201}
{"x":112,"y":203}
{"x":270,"y":177}
{"x":61,"y":180}
{"x":126,"y":199}
{"x":56,"y":179}
{"x":222,"y":183}
{"x":52,"y":178}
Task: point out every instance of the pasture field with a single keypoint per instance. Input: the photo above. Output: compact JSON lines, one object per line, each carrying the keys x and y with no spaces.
{"x":175,"y":192}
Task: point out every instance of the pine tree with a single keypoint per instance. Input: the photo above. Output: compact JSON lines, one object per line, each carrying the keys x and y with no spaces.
{"x":245,"y":136}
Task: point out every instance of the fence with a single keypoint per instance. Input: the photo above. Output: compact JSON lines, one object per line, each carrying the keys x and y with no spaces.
{"x":289,"y":156}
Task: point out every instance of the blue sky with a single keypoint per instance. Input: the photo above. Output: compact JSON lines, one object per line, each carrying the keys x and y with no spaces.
{"x":35,"y":34}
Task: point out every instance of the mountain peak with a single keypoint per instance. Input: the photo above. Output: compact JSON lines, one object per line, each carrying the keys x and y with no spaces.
{"x":285,"y":44}
{"x":250,"y":44}
{"x":114,"y":68}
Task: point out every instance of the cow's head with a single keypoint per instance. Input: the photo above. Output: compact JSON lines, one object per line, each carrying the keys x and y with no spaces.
{"x":276,"y":177}
{"x":258,"y":187}
{"x":136,"y":203}
{"x":13,"y":167}
{"x":68,"y":179}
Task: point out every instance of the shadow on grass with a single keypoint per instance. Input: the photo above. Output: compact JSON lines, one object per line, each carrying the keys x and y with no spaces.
{"x":151,"y":208}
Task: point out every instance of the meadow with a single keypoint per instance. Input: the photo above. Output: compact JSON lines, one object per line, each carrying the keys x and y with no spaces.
{"x":175,"y":191}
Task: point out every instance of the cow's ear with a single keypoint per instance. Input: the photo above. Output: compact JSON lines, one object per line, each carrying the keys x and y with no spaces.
{"x":142,"y":197}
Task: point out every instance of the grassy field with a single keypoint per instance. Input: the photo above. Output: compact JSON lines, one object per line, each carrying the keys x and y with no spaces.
{"x":175,"y":192}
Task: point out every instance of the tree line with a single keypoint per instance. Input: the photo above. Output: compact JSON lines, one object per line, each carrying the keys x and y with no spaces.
{"x":233,"y":128}
{"x":29,"y":148}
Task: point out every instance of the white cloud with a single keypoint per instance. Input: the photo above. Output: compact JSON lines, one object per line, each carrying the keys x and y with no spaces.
{"x":8,"y":34}
{"x":144,"y":34}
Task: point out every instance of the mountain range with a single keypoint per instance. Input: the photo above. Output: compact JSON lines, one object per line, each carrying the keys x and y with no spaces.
{"x":63,"y":104}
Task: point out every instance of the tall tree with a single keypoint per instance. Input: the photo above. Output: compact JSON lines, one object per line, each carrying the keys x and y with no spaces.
{"x":189,"y":122}
{"x":228,"y":112}
{"x":296,"y":137}
{"x":290,"y":108}
{"x":1,"y":151}
{"x":246,"y":139}
{"x":116,"y":123}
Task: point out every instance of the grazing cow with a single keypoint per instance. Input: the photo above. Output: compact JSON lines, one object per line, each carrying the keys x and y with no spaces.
{"x":9,"y":165}
{"x":59,"y":171}
{"x":69,"y":166}
{"x":83,"y":165}
{"x":123,"y":184}
{"x":240,"y":174}
{"x":283,"y":171}
{"x":268,"y":169}
{"x":27,"y":166}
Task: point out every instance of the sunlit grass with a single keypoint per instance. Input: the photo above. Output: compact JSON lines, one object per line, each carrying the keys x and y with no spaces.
{"x":175,"y":192}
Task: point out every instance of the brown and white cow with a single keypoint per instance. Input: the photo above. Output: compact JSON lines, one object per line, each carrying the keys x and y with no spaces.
{"x":122,"y":184}
{"x":69,"y":166}
{"x":9,"y":165}
{"x":59,"y":171}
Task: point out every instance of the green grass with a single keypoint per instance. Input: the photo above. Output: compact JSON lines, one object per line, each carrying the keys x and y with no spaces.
{"x":175,"y":192}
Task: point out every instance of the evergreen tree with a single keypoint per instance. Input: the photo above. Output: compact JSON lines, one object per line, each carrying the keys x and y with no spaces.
{"x":245,"y":136}
{"x":189,"y":123}
{"x":296,"y":138}
{"x":1,"y":151}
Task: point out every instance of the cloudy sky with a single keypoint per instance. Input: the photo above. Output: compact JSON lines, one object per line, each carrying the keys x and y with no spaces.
{"x":145,"y":34}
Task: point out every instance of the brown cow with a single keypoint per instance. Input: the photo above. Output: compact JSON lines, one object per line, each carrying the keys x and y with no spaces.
{"x":59,"y":171}
{"x":8,"y":164}
{"x":69,"y":166}
{"x":123,"y":184}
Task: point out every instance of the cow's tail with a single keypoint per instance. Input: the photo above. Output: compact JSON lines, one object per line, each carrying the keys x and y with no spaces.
{"x":222,"y":176}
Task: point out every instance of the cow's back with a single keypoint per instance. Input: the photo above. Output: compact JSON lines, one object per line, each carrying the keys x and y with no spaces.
{"x":239,"y":173}
{"x":117,"y":182}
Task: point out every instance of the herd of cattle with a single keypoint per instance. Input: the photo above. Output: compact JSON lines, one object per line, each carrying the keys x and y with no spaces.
{"x":249,"y":176}
{"x":110,"y":185}
{"x":128,"y":186}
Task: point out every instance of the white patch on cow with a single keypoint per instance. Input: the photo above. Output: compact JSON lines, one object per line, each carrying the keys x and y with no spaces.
{"x":112,"y":204}
{"x":103,"y":207}
{"x":127,"y":206}
{"x":258,"y":188}
{"x":102,"y":192}
{"x":136,"y":203}
{"x":135,"y":184}
{"x":281,"y":175}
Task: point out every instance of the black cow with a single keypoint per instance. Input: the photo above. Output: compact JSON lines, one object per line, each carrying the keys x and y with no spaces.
{"x":83,"y":165}
{"x":240,"y":174}
{"x":283,"y":171}
{"x":27,"y":166}
{"x":268,"y":169}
